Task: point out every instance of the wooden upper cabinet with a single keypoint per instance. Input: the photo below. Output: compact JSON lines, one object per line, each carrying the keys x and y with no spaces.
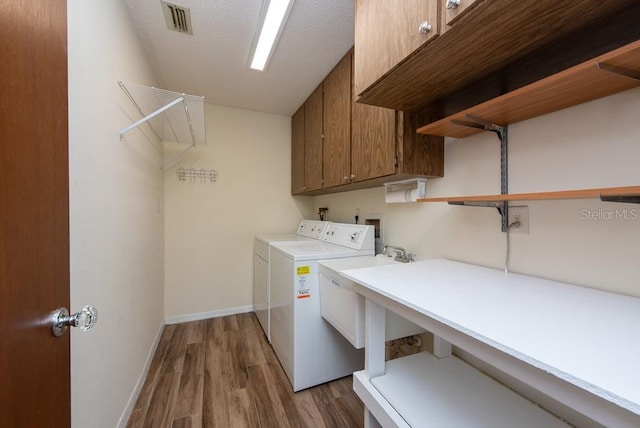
{"x":452,"y":10}
{"x":386,"y":32}
{"x":297,"y":152}
{"x":313,"y":141}
{"x":373,"y":146}
{"x":477,"y":40}
{"x":339,"y":145}
{"x":336,"y":158}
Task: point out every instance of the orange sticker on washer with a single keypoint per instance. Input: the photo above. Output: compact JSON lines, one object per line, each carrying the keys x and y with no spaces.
{"x":303,"y":294}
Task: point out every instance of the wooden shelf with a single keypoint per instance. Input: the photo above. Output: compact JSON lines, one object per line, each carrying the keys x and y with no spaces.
{"x":576,"y":85}
{"x":629,"y":191}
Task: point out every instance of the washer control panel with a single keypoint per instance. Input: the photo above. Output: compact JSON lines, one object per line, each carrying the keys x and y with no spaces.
{"x":356,"y":236}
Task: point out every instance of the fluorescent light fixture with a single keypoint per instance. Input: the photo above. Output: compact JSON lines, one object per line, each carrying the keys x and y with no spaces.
{"x":271,"y":28}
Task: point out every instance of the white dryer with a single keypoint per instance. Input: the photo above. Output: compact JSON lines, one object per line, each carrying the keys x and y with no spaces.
{"x":309,"y":349}
{"x":308,"y":230}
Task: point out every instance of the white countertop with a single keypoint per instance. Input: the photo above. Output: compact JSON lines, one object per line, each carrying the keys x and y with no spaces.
{"x":587,"y":337}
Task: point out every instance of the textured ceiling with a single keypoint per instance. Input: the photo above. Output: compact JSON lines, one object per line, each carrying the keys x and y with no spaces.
{"x":214,"y":62}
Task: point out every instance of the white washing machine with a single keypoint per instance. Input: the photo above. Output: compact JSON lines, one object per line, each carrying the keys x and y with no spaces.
{"x":309,"y":349}
{"x":308,"y":230}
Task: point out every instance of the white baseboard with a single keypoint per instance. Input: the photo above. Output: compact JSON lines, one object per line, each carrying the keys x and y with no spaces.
{"x":122,"y":423}
{"x":206,"y":315}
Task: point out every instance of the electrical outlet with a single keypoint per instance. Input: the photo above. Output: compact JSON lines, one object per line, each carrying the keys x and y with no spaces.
{"x":519,"y":214}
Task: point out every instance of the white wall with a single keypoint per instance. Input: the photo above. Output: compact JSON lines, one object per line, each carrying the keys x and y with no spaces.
{"x":116,"y":193}
{"x":210,"y":227}
{"x":591,"y":145}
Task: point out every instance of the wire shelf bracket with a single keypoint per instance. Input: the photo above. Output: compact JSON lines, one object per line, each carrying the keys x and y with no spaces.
{"x":160,"y":109}
{"x":150,"y":116}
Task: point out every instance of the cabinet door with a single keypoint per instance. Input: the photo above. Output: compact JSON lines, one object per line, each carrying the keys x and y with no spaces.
{"x":451,"y":10}
{"x":313,"y":141}
{"x":297,"y":152}
{"x":387,"y":31}
{"x":373,"y":147}
{"x":337,"y":125}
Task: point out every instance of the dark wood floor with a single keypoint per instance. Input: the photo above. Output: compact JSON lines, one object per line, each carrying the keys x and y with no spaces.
{"x":222,"y":372}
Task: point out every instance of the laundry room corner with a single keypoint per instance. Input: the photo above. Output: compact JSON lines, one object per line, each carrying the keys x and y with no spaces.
{"x":210,"y":224}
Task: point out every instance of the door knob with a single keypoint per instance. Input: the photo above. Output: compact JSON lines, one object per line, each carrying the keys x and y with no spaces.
{"x":85,"y":319}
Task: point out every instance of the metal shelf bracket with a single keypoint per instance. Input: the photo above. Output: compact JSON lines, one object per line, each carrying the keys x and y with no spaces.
{"x":502,"y":132}
{"x":633,"y":74}
{"x":627,"y":199}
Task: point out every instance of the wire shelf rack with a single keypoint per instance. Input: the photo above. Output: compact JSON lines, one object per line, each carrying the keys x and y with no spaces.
{"x":173,"y":116}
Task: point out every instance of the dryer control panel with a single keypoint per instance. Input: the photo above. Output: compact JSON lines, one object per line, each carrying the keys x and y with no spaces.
{"x":312,"y":228}
{"x":356,"y":236}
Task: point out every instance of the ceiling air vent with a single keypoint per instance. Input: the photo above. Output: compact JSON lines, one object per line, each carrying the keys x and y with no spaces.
{"x":178,"y":17}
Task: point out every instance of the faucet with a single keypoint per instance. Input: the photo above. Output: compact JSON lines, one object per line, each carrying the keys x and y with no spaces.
{"x":401,"y":254}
